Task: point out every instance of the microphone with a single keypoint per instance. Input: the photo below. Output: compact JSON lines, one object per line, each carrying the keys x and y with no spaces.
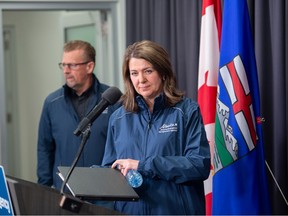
{"x":109,"y":97}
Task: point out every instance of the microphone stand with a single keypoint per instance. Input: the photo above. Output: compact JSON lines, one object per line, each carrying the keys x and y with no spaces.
{"x":71,"y":203}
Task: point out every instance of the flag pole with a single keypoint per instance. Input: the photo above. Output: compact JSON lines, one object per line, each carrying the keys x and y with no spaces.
{"x":275,"y":180}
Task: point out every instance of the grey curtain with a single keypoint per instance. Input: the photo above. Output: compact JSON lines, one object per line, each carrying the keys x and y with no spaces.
{"x":270,"y":27}
{"x":175,"y":24}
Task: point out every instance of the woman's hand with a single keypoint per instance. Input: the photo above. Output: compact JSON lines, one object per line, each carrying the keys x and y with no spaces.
{"x":124,"y":165}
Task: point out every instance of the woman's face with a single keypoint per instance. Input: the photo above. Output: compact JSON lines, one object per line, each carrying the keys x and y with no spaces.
{"x":146,"y":80}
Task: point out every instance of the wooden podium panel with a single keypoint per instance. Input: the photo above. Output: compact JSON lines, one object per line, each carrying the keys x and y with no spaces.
{"x":30,"y":198}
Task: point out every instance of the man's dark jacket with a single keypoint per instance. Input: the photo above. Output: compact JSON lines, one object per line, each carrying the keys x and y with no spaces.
{"x":57,"y":145}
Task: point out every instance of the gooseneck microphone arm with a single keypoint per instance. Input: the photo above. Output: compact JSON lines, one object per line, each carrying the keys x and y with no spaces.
{"x":85,"y":137}
{"x":68,"y":202}
{"x":109,"y":97}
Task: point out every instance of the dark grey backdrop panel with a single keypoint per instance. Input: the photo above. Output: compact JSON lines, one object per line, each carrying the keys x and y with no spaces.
{"x":175,"y":25}
{"x":270,"y":20}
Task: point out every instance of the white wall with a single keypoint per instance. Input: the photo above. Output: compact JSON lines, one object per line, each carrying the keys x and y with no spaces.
{"x":38,"y":41}
{"x":38,"y":45}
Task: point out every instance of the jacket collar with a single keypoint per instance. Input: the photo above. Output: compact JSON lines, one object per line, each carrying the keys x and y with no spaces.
{"x":159,"y":103}
{"x":95,"y":86}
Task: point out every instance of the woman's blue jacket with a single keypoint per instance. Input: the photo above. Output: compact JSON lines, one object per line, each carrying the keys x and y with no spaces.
{"x":173,"y":154}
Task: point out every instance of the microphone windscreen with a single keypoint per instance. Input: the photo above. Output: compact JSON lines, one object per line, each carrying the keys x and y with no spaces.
{"x":112,"y":95}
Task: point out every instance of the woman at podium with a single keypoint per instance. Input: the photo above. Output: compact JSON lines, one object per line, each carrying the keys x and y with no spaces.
{"x":158,"y":132}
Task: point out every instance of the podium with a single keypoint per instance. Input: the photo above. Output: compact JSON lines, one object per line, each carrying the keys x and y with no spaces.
{"x":30,"y":198}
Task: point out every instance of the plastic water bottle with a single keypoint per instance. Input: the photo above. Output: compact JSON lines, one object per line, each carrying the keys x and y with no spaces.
{"x":134,"y":178}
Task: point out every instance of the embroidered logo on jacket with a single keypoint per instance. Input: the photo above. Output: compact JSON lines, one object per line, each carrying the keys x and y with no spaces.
{"x":166,"y":128}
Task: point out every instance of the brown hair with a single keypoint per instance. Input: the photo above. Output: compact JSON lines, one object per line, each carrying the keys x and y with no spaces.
{"x":159,"y":58}
{"x":89,"y":51}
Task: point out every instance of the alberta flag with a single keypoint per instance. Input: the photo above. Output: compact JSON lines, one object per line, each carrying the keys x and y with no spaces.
{"x":207,"y":78}
{"x":239,"y":183}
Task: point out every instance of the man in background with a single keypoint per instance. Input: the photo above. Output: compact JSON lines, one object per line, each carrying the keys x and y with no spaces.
{"x":62,"y":111}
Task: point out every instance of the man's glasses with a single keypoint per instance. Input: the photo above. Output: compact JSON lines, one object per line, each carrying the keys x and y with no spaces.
{"x":71,"y":66}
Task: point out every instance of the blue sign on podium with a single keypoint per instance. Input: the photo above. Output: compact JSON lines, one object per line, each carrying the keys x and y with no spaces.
{"x":6,"y":207}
